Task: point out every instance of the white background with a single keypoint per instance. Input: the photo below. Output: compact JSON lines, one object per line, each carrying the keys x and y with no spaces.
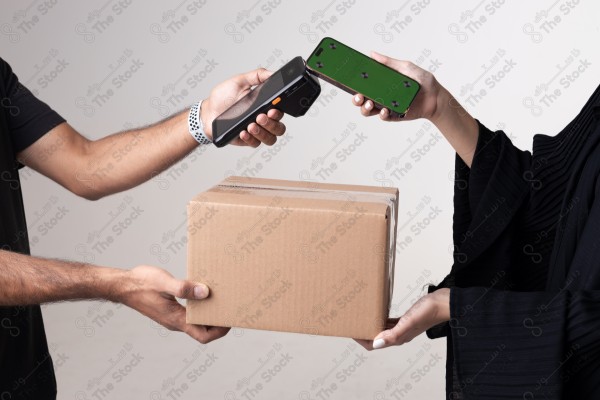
{"x":468,"y":43}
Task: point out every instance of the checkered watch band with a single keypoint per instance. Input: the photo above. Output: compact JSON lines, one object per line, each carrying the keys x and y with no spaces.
{"x":195,"y":125}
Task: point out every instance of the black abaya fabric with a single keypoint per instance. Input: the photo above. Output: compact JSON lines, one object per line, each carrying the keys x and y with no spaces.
{"x":525,"y":284}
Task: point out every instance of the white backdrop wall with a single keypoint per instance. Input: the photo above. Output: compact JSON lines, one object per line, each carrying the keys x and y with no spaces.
{"x":106,"y":66}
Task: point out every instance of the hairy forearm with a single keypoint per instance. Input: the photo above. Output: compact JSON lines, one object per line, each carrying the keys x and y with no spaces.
{"x":457,"y":125}
{"x":32,"y":280}
{"x":124,"y":160}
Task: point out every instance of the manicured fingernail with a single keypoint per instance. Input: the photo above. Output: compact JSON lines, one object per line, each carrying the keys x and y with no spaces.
{"x":357,"y":99}
{"x":378,"y":343}
{"x":368,"y":105}
{"x":200,"y":291}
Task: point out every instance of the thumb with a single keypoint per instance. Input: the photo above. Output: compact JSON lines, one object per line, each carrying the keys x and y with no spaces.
{"x":256,"y":77}
{"x":189,"y":290}
{"x":398,"y":65}
{"x":382,"y":59}
{"x":384,"y":339}
{"x":390,"y":337}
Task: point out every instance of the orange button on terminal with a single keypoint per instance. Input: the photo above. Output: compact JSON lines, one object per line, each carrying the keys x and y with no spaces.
{"x":277,"y":100}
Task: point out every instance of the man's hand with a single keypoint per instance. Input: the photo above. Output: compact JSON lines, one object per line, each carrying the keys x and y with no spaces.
{"x":134,"y":156}
{"x":267,"y":126}
{"x":428,"y":311}
{"x":153,"y":291}
{"x":150,"y":290}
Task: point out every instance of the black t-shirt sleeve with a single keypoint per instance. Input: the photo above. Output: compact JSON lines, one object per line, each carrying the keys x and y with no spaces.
{"x":28,"y":118}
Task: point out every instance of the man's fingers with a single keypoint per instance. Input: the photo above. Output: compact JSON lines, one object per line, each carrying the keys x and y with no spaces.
{"x":201,"y":333}
{"x":175,"y":321}
{"x":261,"y":134}
{"x":205,"y":334}
{"x":256,"y":77}
{"x":275,"y":114}
{"x":249,"y":139}
{"x":187,"y":289}
{"x":273,"y":126}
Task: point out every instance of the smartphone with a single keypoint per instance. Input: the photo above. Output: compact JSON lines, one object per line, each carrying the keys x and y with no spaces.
{"x":290,"y":89}
{"x":355,"y":73}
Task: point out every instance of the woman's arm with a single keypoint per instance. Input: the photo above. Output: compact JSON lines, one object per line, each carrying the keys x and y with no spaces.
{"x":434,"y":103}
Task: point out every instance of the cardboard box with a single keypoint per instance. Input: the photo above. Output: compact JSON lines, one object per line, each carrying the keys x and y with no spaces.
{"x":291,"y":256}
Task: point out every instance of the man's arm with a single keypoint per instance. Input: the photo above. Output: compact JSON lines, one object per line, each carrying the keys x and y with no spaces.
{"x":93,"y":169}
{"x":148,"y":290}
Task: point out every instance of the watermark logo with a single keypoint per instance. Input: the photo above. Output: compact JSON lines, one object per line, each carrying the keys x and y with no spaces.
{"x":249,"y":20}
{"x":26,"y":19}
{"x":324,"y":19}
{"x":100,"y":93}
{"x":398,"y":20}
{"x":547,"y":20}
{"x":548,"y":92}
{"x":472,"y":20}
{"x":100,"y":20}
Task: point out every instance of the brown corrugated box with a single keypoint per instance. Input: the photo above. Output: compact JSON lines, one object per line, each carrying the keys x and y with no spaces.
{"x":293,"y":256}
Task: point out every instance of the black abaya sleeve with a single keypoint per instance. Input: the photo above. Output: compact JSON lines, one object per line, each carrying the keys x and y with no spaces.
{"x":486,"y":198}
{"x":525,"y":283}
{"x":542,"y":344}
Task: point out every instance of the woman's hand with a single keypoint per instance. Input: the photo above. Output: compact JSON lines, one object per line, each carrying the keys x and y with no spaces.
{"x":428,"y":311}
{"x":433,"y":102}
{"x":425,"y":103}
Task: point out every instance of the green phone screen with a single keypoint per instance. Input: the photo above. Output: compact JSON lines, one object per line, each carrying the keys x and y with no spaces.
{"x":357,"y":73}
